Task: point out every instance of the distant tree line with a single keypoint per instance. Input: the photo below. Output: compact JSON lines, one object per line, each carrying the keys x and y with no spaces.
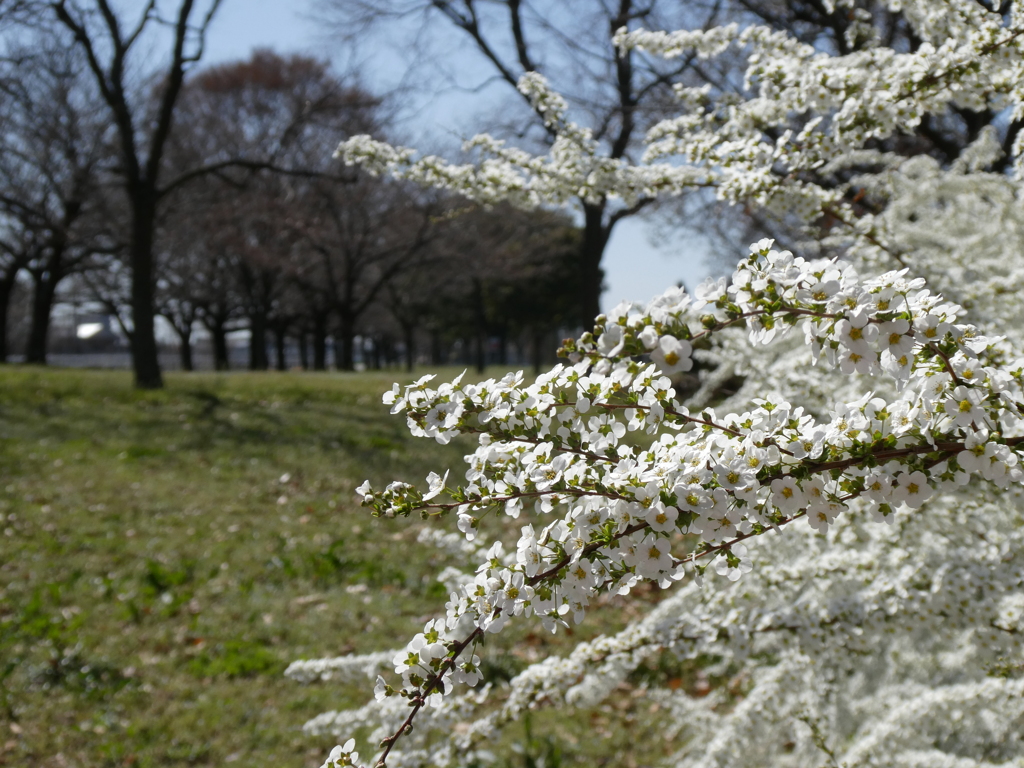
{"x":134,"y":177}
{"x":209,"y":198}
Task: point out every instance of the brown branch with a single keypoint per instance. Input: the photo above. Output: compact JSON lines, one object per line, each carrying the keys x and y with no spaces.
{"x":945,"y":361}
{"x":250,"y":165}
{"x":110,"y":84}
{"x":175,"y":80}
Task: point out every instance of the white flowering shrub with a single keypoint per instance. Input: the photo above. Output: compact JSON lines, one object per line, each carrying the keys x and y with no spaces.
{"x":845,"y":530}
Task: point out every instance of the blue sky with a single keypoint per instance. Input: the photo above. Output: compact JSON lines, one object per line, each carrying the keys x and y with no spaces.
{"x":635,"y":269}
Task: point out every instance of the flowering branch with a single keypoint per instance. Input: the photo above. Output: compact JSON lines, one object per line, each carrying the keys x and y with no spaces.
{"x":726,"y":482}
{"x":907,"y":405}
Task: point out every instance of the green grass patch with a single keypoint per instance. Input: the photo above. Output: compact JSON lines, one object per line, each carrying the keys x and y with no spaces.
{"x":236,"y":658}
{"x":164,"y":555}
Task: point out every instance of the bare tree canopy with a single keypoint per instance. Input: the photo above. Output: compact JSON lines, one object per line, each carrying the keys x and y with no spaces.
{"x":56,"y":153}
{"x":143,"y":118}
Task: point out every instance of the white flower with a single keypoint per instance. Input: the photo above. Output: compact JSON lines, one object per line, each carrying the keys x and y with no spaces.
{"x":878,"y":486}
{"x":895,"y":337}
{"x":930,"y":328}
{"x":821,"y":516}
{"x":787,"y":495}
{"x":611,"y":342}
{"x":814,"y":492}
{"x":963,"y":406}
{"x":899,"y":367}
{"x":819,"y":291}
{"x":926,"y":607}
{"x":912,"y":489}
{"x":365,"y":492}
{"x":380,"y":689}
{"x":672,"y":355}
{"x":808,"y":445}
{"x":662,"y":518}
{"x":977,"y":453}
{"x":857,"y":360}
{"x":733,"y":571}
{"x":436,"y":485}
{"x":653,"y":557}
{"x":709,"y":292}
{"x":734,"y":475}
{"x":856,"y":333}
{"x":342,"y":755}
{"x":648,"y":337}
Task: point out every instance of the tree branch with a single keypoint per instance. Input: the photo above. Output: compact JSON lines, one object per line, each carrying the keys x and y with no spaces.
{"x":251,"y":165}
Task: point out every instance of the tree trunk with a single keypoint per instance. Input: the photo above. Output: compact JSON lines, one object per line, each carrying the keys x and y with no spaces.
{"x":280,"y":341}
{"x":6,"y":287}
{"x":503,"y":347}
{"x":320,"y":344}
{"x":145,"y":360}
{"x":185,"y":347}
{"x":304,"y":350}
{"x":409,"y":332}
{"x":591,"y":276}
{"x":220,"y":346}
{"x":538,"y":345}
{"x":480,"y":350}
{"x":258,"y":342}
{"x":480,"y":335}
{"x":435,"y":348}
{"x":378,"y":352}
{"x":347,"y":332}
{"x":42,"y":309}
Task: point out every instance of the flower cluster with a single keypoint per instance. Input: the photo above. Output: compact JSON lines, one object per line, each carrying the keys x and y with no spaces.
{"x":806,"y":113}
{"x":886,"y":630}
{"x":896,"y":629}
{"x":619,"y":514}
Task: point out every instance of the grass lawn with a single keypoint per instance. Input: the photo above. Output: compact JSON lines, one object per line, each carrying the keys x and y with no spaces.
{"x":164,"y":555}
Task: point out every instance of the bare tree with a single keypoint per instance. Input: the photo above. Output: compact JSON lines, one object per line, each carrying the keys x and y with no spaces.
{"x":291,"y":110}
{"x":54,"y":151}
{"x":359,"y":237}
{"x":142,"y":118}
{"x":288,"y":111}
{"x":334,"y":239}
{"x":506,"y":275}
{"x":283,"y":113}
{"x":183,"y":266}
